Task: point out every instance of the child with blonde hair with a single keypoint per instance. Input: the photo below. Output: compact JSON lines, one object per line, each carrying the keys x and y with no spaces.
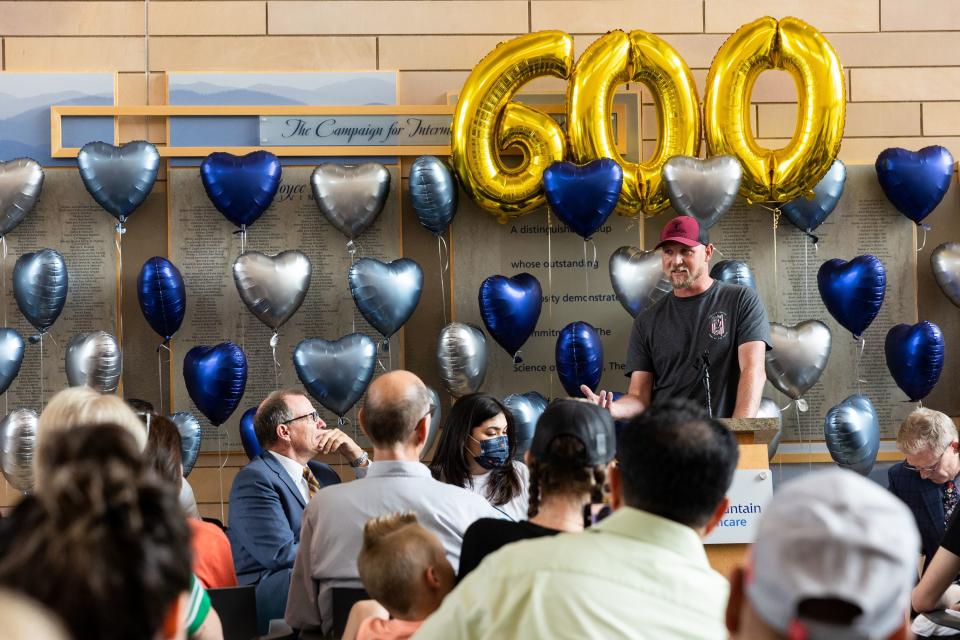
{"x":405,"y":570}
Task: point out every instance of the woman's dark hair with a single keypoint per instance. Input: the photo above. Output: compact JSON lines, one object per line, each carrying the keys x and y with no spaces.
{"x":564,"y":471}
{"x":164,"y":452}
{"x":450,"y":460}
{"x":104,"y":544}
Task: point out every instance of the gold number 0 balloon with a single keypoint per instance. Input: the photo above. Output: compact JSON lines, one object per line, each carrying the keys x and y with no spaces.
{"x":485,"y":123}
{"x":640,"y":57}
{"x":802,"y":51}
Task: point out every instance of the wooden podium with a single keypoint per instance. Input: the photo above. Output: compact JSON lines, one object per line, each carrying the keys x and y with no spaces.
{"x":753,"y":435}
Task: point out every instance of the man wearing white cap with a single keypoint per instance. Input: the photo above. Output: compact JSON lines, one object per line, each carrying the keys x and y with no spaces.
{"x":835,"y":558}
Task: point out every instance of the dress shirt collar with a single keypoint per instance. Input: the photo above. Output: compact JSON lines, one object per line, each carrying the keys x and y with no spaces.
{"x":647,"y":527}
{"x":387,"y":468}
{"x":293,"y":468}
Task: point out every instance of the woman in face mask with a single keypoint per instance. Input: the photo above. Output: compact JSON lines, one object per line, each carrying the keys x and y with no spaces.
{"x":476,"y":452}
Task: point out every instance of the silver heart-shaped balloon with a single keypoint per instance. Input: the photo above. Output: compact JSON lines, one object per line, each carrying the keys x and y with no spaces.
{"x":93,"y":359}
{"x":191,"y":434}
{"x":336,"y":373}
{"x":11,"y":357}
{"x":526,"y":410}
{"x":704,"y":189}
{"x":40,"y":286}
{"x":798,"y":357}
{"x":851,"y":430}
{"x":462,"y":358}
{"x":119,"y":178}
{"x":272,"y":287}
{"x":351,"y":196}
{"x":945,"y":263}
{"x":18,"y":433}
{"x":20,"y":183}
{"x":386,"y":293}
{"x":637,"y":278}
{"x":769,"y":409}
{"x":433,"y":428}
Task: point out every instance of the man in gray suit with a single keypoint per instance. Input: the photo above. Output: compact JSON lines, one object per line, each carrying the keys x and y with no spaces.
{"x":396,"y":417}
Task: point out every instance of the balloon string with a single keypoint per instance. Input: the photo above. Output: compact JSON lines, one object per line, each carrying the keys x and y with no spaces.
{"x":243,"y":239}
{"x":274,"y":339}
{"x":923,"y":243}
{"x":118,"y":241}
{"x":160,"y":370}
{"x":550,"y":281}
{"x":221,"y":463}
{"x":441,"y":249}
{"x":41,"y":372}
{"x":776,"y":262}
{"x":586,"y":273}
{"x":806,"y":279}
{"x":3,"y":287}
{"x":863,"y":343}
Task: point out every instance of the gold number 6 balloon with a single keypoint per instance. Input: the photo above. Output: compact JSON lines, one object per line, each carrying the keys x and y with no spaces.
{"x":485,"y":123}
{"x":614,"y":59}
{"x":802,"y":51}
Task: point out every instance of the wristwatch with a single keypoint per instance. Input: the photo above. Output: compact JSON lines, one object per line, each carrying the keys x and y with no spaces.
{"x":360,"y":461}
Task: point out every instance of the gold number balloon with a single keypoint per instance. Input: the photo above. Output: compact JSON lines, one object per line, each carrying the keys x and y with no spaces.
{"x":640,"y":57}
{"x":485,"y":123}
{"x":802,"y":51}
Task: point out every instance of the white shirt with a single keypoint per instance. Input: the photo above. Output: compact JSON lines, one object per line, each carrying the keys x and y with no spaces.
{"x":331,"y":532}
{"x":517,"y":507}
{"x":295,"y":470}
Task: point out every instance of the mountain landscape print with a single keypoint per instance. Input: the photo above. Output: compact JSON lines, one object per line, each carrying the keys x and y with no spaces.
{"x":25,"y":100}
{"x":273,"y":89}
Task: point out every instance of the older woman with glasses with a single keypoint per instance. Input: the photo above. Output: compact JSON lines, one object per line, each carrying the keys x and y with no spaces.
{"x":926,"y":480}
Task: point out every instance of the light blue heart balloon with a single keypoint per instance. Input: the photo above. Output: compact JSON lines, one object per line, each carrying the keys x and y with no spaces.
{"x":386,"y":293}
{"x":852,"y":433}
{"x":119,"y":178}
{"x":809,"y":213}
{"x":336,"y":373}
{"x":190,"y":438}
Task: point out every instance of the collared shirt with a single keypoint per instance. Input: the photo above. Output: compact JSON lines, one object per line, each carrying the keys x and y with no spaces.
{"x":634,"y":575}
{"x":331,"y":533}
{"x":295,"y":470}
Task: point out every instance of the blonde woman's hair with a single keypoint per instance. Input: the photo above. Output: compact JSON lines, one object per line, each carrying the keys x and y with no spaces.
{"x":81,"y":407}
{"x":926,"y":429}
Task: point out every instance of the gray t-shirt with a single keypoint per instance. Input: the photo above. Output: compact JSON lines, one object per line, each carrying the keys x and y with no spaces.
{"x":670,"y":337}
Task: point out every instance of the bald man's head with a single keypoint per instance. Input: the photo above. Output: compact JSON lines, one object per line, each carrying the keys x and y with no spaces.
{"x":396,"y":402}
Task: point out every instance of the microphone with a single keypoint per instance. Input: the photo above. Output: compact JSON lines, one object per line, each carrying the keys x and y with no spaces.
{"x":705,"y":369}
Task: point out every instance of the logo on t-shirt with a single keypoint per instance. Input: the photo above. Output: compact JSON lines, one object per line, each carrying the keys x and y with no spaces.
{"x":718,"y":325}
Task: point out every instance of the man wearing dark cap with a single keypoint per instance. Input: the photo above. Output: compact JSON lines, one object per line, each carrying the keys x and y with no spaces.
{"x":706,"y":341}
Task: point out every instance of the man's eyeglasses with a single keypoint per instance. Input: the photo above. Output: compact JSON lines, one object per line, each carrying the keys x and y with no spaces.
{"x":313,"y":415}
{"x":432,"y":410}
{"x":930,"y":469}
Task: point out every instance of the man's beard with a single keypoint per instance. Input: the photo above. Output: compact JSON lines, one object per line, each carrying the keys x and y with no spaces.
{"x":688,"y":281}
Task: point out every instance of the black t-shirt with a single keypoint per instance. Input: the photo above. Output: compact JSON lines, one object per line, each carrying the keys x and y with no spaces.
{"x":486,"y":535}
{"x":951,"y":537}
{"x":670,"y":337}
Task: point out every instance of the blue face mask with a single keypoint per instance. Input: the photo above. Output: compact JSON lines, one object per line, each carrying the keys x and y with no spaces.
{"x":493,"y":452}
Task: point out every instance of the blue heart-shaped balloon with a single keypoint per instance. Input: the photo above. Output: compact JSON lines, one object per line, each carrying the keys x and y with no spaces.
{"x":248,"y":435}
{"x":510,"y":308}
{"x":433,"y":193}
{"x":583,"y":196}
{"x":734,"y":272}
{"x":809,"y":213}
{"x":40,"y":285}
{"x":119,"y":178}
{"x":579,"y":356}
{"x":915,"y":182}
{"x":853,"y":291}
{"x":162,"y":296}
{"x":915,"y":357}
{"x":216,"y":378}
{"x":241,"y":187}
{"x":526,"y":409}
{"x":336,"y":372}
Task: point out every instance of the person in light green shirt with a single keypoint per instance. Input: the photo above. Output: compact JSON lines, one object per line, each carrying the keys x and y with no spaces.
{"x":641,"y":573}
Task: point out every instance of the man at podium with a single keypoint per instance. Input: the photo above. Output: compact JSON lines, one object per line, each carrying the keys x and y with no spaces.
{"x":706,"y":341}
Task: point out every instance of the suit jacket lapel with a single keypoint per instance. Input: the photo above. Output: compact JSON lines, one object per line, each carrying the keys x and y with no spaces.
{"x":277,"y":468}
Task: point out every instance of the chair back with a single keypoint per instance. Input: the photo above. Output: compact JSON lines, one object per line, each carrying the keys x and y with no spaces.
{"x":343,"y":600}
{"x":237,"y":608}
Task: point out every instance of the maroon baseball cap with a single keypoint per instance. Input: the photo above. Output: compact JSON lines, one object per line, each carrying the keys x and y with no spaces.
{"x":685,"y":230}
